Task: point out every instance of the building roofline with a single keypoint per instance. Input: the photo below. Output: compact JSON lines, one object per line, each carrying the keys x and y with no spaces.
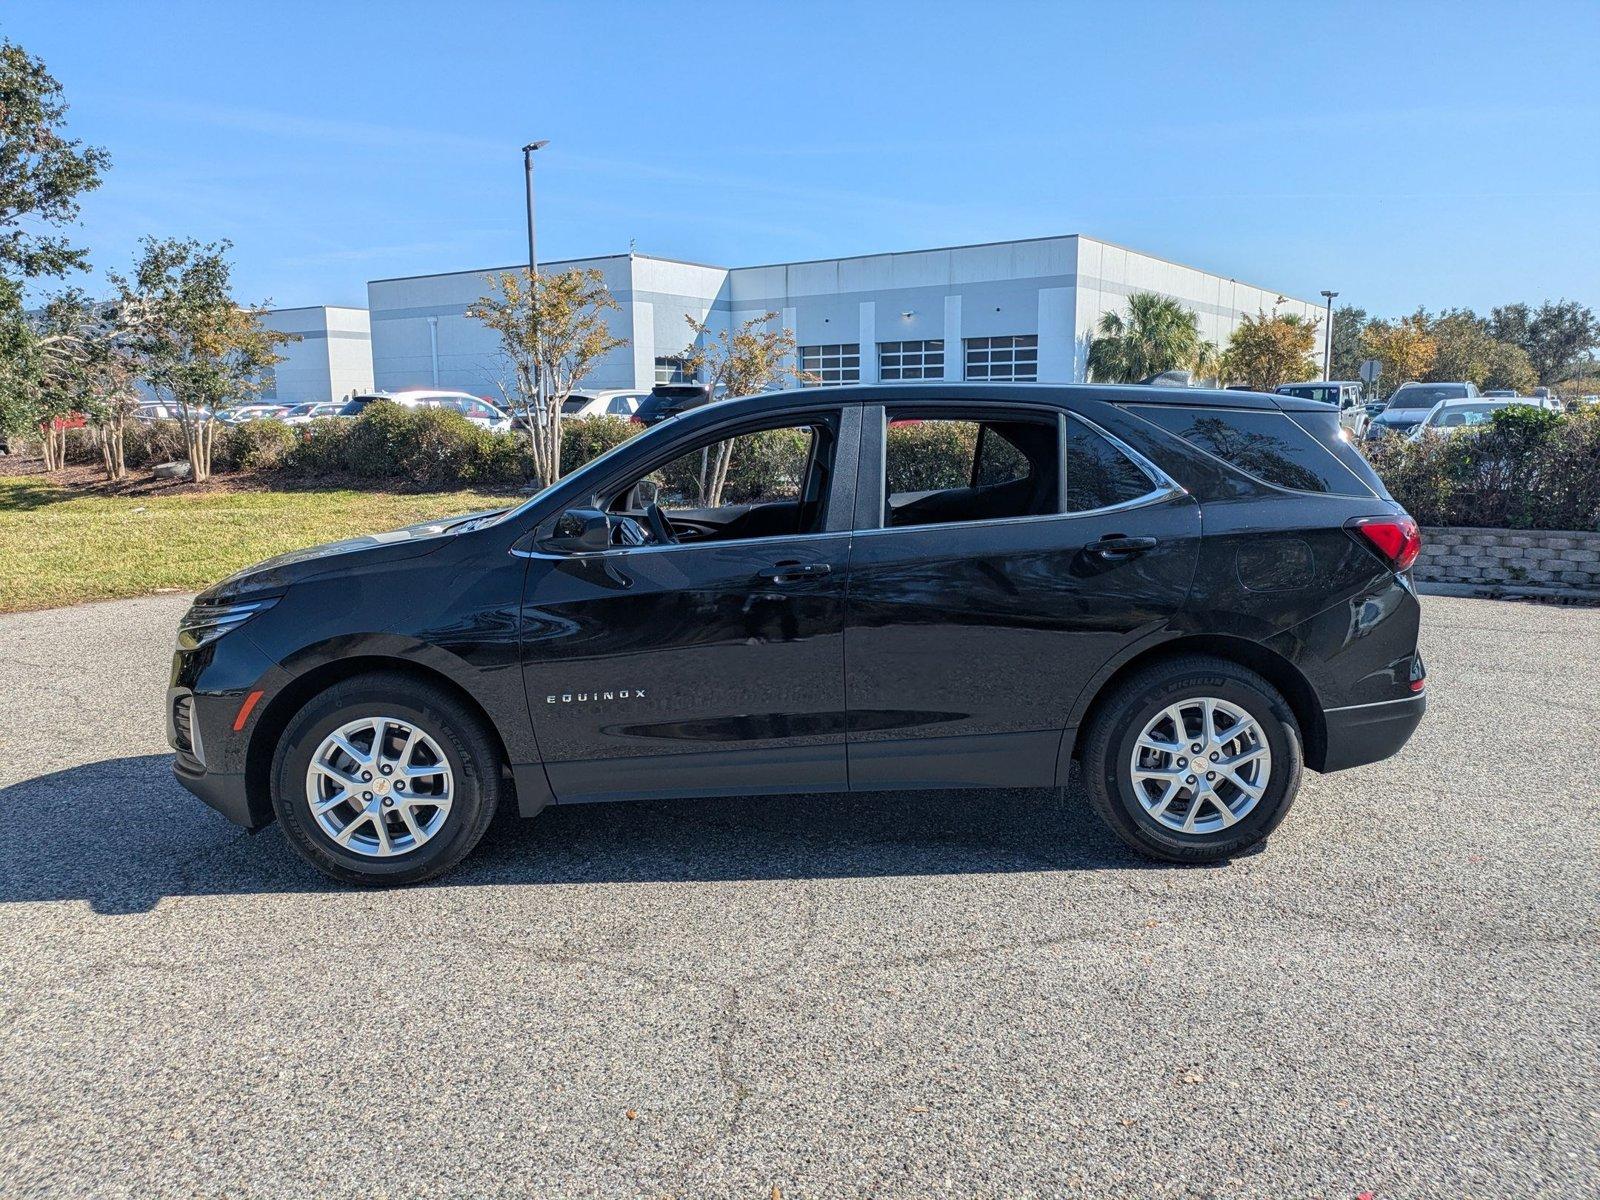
{"x":555,"y":262}
{"x":288,"y":308}
{"x":1172,"y":262}
{"x":803,"y":262}
{"x":806,"y":262}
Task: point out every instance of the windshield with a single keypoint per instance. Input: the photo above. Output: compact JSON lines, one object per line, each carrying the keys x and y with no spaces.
{"x":1425,"y":395}
{"x":1327,"y":393}
{"x":1458,"y":415}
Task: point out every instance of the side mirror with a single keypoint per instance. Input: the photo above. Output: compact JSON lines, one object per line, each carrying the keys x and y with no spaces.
{"x":580,"y":531}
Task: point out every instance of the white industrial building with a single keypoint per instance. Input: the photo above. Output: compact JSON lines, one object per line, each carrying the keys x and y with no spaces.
{"x":1023,"y":310}
{"x":331,"y":359}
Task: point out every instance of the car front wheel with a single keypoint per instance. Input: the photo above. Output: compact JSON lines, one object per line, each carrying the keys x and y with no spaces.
{"x":1193,"y":760}
{"x":383,"y":779}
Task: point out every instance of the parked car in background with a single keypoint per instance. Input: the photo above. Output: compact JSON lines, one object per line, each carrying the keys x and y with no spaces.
{"x":1502,"y":394}
{"x":1343,"y":394}
{"x":474,"y":408}
{"x":617,"y":402}
{"x":1452,"y":416}
{"x":669,"y":399}
{"x":1546,"y":398}
{"x":1195,"y":593}
{"x":304,"y":414}
{"x":241,"y":413}
{"x":156,"y":410}
{"x":1411,"y":402}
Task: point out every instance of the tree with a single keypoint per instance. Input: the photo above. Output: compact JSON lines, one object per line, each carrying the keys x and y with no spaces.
{"x":1561,"y":337}
{"x":1558,"y":338}
{"x":1348,"y":324}
{"x":740,"y":362}
{"x":1509,"y":368}
{"x":42,"y":172}
{"x":1405,"y":348}
{"x":1509,"y":323}
{"x":103,"y":372}
{"x":1464,"y":349}
{"x":551,"y":327}
{"x":1269,"y":349}
{"x":36,"y":372}
{"x":193,"y":343}
{"x":1159,"y":334}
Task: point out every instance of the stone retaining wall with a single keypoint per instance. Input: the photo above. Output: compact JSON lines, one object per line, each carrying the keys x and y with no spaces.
{"x":1513,"y":558}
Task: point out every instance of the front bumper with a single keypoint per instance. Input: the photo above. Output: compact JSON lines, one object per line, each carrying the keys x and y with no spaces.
{"x":225,"y":793}
{"x":205,"y":695}
{"x":1369,"y":733}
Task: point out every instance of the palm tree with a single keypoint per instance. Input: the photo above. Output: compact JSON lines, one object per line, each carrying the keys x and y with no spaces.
{"x":1158,"y":335}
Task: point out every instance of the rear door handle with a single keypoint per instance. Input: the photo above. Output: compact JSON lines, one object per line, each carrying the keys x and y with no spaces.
{"x":794,"y":572}
{"x":1117,"y":546}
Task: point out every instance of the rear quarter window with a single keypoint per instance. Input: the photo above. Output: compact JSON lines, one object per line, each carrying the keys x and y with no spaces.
{"x":1271,"y":447}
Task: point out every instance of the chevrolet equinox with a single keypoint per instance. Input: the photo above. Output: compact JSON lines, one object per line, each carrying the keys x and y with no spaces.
{"x":1193,"y":594}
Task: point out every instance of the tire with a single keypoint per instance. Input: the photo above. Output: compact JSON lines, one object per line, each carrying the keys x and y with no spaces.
{"x":450,"y":736}
{"x":1184,"y":684}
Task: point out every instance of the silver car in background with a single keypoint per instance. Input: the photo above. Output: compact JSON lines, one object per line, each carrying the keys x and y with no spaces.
{"x":1453,"y":416}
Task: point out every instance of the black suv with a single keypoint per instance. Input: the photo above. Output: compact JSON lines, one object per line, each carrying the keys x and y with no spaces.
{"x":1195,"y":594}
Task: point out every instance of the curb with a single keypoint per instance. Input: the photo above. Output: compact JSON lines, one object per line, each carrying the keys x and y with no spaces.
{"x":1497,"y":591}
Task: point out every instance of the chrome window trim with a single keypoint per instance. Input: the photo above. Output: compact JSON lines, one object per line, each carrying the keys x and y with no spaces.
{"x":1166,"y":488}
{"x":656,"y":549}
{"x":1147,"y":499}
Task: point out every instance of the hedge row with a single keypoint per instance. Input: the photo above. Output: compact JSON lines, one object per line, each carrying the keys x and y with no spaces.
{"x":1528,"y":469}
{"x":255,"y":446}
{"x":439,"y":448}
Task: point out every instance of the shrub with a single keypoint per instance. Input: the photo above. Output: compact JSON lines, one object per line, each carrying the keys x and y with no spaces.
{"x":146,"y":443}
{"x":924,"y":455}
{"x":1528,"y":469}
{"x":318,"y":448}
{"x":252,"y":446}
{"x":586,"y":438}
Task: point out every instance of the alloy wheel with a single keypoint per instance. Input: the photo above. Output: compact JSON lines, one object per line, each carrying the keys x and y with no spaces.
{"x":1200,"y":765}
{"x":379,"y":786}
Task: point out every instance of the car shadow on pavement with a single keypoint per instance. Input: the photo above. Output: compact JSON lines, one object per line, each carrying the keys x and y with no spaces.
{"x":121,"y":835}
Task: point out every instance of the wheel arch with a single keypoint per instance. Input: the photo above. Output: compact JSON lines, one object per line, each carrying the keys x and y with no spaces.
{"x":294,"y":696}
{"x":1264,"y":661}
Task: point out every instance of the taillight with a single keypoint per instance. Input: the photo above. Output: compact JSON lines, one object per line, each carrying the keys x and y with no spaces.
{"x":1397,"y":539}
{"x":636,"y":419}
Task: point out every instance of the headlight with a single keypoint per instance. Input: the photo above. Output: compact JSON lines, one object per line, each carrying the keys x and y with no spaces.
{"x":205,"y":623}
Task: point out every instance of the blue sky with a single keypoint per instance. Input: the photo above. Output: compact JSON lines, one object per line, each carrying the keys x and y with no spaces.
{"x":1403,"y":154}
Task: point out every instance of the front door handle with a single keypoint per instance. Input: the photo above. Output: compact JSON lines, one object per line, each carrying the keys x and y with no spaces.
{"x":794,"y":572}
{"x":1117,"y":546}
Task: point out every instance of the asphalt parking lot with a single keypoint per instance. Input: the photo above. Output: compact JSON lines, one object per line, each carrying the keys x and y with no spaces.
{"x":899,"y":995}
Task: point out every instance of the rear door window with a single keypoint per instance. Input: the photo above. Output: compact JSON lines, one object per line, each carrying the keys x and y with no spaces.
{"x":1098,"y":474}
{"x":941,"y":470}
{"x":1266,"y":445}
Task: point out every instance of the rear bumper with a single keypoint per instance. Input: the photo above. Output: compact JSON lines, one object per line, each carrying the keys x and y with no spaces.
{"x":1369,"y":733}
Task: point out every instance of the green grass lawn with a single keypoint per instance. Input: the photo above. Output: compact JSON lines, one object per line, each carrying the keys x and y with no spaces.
{"x":61,"y":547}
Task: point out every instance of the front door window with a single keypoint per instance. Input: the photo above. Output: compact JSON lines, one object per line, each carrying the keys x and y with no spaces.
{"x":762,"y":483}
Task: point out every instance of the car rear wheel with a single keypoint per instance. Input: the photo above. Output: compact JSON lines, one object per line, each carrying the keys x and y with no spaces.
{"x":383,"y":779}
{"x":1193,"y":759}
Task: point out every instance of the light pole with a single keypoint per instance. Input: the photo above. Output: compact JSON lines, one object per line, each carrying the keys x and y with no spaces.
{"x":533,"y":274}
{"x":1327,"y":334}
